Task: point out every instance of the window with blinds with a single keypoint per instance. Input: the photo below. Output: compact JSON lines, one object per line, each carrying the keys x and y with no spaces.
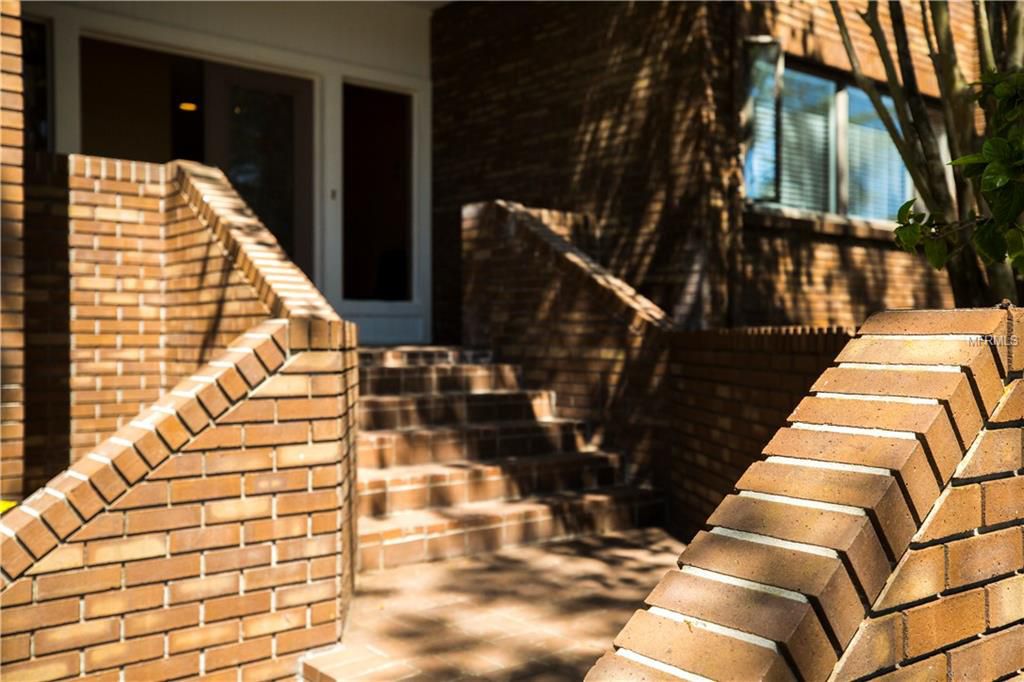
{"x":802,"y":128}
{"x":879,"y":183}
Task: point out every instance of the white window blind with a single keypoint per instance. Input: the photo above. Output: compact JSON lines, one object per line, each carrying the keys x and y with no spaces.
{"x":879,"y":183}
{"x":805,"y":180}
{"x":761,"y":165}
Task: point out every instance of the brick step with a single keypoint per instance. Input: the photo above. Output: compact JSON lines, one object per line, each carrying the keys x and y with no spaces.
{"x":427,"y":535}
{"x":412,"y":356}
{"x":411,"y":410}
{"x":438,"y":379}
{"x":460,"y":442}
{"x":430,"y":486}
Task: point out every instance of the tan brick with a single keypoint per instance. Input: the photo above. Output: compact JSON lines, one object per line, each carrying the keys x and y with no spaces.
{"x":159,"y":570}
{"x":957,"y":510}
{"x":794,"y":626}
{"x":161,"y":620}
{"x":877,"y":645}
{"x":15,"y":648}
{"x":944,"y":621}
{"x":149,"y":520}
{"x":237,"y":510}
{"x":194,"y":539}
{"x":1005,"y":601}
{"x":123,"y":601}
{"x":686,"y":648}
{"x":235,"y":654}
{"x":77,"y":635}
{"x":203,"y":588}
{"x":167,"y":669}
{"x":298,"y":503}
{"x":203,"y":636}
{"x":307,"y":638}
{"x":46,"y":668}
{"x":992,"y":657}
{"x":210,"y":488}
{"x":26,"y":618}
{"x":127,"y":549}
{"x":1004,"y":500}
{"x":920,"y":573}
{"x":261,"y":531}
{"x":122,"y":653}
{"x":232,"y":607}
{"x":273,"y":576}
{"x":984,"y":556}
{"x":77,"y":582}
{"x":237,"y":557}
{"x":306,"y":594}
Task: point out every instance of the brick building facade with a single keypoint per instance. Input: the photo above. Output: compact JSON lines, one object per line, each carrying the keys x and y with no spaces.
{"x":630,"y":113}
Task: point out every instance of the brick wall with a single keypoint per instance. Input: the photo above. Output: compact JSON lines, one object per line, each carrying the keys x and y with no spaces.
{"x":880,"y":535}
{"x":629,"y":112}
{"x":214,"y":529}
{"x":687,"y":409}
{"x":12,"y":339}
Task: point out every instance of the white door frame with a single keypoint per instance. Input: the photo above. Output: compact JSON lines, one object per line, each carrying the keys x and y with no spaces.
{"x":404,"y":321}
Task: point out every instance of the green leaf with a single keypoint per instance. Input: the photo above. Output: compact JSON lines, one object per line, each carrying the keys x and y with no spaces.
{"x":1007,"y":204}
{"x":1018,"y":264}
{"x":937,"y":252}
{"x":1014,"y":242}
{"x":968,"y":160}
{"x":974,"y":170}
{"x":991,"y":243}
{"x":904,"y":212}
{"x":908,"y":237}
{"x":995,"y":176}
{"x":996,"y":149}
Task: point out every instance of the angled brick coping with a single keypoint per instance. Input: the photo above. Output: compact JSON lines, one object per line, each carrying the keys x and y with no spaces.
{"x":881,"y":533}
{"x":214,"y":530}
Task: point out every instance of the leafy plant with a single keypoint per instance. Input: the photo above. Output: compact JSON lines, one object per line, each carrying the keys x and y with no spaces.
{"x":997,"y":172}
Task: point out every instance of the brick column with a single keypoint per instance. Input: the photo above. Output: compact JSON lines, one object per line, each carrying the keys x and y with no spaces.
{"x":12,"y":338}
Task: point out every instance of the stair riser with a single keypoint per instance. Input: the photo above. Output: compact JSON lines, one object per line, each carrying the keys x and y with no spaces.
{"x":391,"y":357}
{"x":402,"y":413}
{"x":375,"y":451}
{"x":489,"y":537}
{"x":516,"y":485}
{"x":460,"y":378}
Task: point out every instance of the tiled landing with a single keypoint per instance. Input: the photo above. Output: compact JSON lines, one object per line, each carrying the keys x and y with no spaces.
{"x":540,"y":612}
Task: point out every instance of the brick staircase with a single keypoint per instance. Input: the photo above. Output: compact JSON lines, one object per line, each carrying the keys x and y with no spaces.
{"x":456,"y":457}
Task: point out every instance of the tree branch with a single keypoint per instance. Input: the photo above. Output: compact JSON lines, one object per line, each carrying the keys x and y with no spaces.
{"x":870,"y":17}
{"x":906,"y":152}
{"x":985,"y":53}
{"x":1015,"y":37}
{"x":919,"y":110}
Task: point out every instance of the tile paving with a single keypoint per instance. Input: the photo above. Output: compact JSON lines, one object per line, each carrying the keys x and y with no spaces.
{"x":540,"y":612}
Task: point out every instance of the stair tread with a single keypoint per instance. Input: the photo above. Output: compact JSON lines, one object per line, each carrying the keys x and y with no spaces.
{"x":452,"y":394}
{"x":481,"y":511}
{"x":492,"y":424}
{"x":457,"y":466}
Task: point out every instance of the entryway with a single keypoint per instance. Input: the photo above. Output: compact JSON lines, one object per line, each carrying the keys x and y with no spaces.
{"x":350,"y":205}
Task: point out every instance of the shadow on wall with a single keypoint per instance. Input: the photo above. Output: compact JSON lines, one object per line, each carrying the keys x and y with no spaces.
{"x":599,"y":108}
{"x":47,"y":320}
{"x":83,"y":376}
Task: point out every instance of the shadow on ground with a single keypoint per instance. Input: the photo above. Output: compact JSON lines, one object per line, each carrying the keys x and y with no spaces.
{"x":544,"y":612}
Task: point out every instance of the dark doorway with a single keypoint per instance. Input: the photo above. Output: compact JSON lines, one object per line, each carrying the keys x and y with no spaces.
{"x":36,"y":70}
{"x":256,"y":126}
{"x":377,"y":214}
{"x":260,"y":132}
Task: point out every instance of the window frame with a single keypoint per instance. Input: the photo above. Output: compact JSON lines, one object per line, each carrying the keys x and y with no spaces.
{"x":839,"y":157}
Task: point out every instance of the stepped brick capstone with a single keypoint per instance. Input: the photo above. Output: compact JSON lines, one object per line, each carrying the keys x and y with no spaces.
{"x":882,"y":533}
{"x":214,"y":529}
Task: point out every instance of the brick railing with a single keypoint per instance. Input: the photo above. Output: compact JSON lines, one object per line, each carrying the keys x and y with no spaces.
{"x":214,"y":530}
{"x":880,"y":533}
{"x":689,"y":410}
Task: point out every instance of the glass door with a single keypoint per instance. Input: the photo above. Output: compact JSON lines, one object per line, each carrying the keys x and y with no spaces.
{"x":259,"y":131}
